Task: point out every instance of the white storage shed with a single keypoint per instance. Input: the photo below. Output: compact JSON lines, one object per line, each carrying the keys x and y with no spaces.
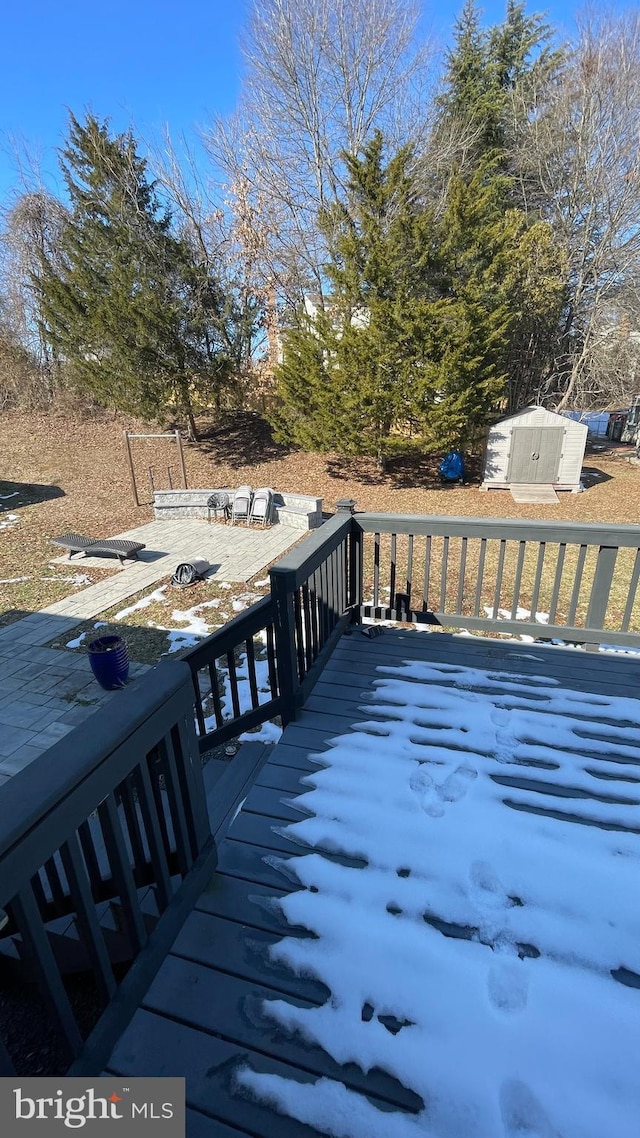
{"x":534,"y":447}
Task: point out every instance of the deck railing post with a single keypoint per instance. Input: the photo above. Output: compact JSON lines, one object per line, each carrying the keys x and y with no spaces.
{"x":282,"y":590}
{"x":354,"y":564}
{"x":601,"y":587}
{"x":355,"y":593}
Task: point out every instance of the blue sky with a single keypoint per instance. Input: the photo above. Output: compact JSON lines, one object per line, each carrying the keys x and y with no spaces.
{"x":149,"y":62}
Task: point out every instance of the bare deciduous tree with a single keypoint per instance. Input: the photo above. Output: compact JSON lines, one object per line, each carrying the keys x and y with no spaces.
{"x":31,"y":229}
{"x":321,"y":75}
{"x":580,"y":163}
{"x":222,"y":226}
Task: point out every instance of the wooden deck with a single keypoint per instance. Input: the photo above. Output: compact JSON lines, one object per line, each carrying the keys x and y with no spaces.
{"x":202,"y":1016}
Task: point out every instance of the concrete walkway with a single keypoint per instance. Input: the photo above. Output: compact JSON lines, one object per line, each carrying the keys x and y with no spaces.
{"x":47,"y":692}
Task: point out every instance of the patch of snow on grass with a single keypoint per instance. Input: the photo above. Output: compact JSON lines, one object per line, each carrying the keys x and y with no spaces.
{"x":521,"y":614}
{"x":180,"y":638}
{"x":77,"y":579}
{"x":265,"y":581}
{"x":143,"y":603}
{"x":13,"y":580}
{"x":9,"y":521}
{"x":196,"y":626}
{"x":243,"y":601}
{"x":521,"y":1029}
{"x":77,"y":641}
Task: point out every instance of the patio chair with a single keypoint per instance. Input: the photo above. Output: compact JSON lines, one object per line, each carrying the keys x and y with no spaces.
{"x":218,"y":504}
{"x":241,"y":507}
{"x":115,"y":546}
{"x":261,"y":506}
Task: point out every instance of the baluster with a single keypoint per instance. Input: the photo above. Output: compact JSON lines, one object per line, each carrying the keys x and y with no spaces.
{"x":215,"y":694}
{"x":557,"y":581}
{"x":233,"y":684}
{"x":153,"y":830}
{"x":409,"y":569}
{"x":601,"y":588}
{"x":633,"y":588}
{"x":480,"y":582}
{"x":86,"y":917}
{"x":577,"y":584}
{"x":271,"y":662}
{"x":251,"y":669}
{"x":121,"y":872}
{"x":461,"y":574}
{"x":177,"y":795}
{"x":515,"y":603}
{"x":427,"y":571}
{"x":297,"y":616}
{"x":537,"y":579}
{"x":25,"y":912}
{"x":499,"y":575}
{"x":133,"y":829}
{"x":443,"y":574}
{"x":197,"y":700}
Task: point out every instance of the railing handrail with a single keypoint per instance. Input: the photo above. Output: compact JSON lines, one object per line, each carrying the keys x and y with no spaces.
{"x":443,"y":525}
{"x":79,"y":771}
{"x":298,"y":564}
{"x":225,"y":639}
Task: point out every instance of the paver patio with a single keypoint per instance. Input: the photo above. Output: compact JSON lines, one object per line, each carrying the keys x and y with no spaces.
{"x":44,"y":692}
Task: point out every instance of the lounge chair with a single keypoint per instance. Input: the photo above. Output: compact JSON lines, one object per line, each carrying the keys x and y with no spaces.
{"x":241,"y":507}
{"x":261,"y":505}
{"x":116,"y":546}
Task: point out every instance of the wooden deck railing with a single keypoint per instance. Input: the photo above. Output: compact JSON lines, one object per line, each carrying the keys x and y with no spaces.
{"x":551,"y":580}
{"x":98,"y":837}
{"x":105,"y":839}
{"x":285,"y":636}
{"x":557,"y":580}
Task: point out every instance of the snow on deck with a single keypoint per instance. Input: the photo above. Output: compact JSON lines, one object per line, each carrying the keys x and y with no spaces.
{"x":488,"y":955}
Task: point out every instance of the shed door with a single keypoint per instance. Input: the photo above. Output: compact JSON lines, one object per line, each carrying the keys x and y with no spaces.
{"x":535,"y":454}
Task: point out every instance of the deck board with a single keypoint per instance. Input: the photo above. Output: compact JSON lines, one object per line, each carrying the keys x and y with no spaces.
{"x":205,"y":1002}
{"x":202,"y":1126}
{"x":233,"y":1011}
{"x":238,"y":951}
{"x":253,"y":908}
{"x":155,"y":1043}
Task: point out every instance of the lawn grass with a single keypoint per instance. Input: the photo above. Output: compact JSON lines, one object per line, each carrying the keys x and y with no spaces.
{"x":146,"y":623}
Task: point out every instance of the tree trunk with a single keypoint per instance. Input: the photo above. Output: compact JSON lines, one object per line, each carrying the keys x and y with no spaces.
{"x":182,"y":385}
{"x":194,"y":437}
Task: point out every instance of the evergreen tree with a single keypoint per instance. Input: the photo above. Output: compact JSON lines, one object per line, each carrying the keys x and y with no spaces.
{"x":417,"y":329}
{"x":347,"y":375}
{"x":489,"y":93}
{"x":485,"y":69}
{"x":126,"y":305}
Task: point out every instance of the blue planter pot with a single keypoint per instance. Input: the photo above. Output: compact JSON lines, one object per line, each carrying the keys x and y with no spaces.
{"x":109,"y":660}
